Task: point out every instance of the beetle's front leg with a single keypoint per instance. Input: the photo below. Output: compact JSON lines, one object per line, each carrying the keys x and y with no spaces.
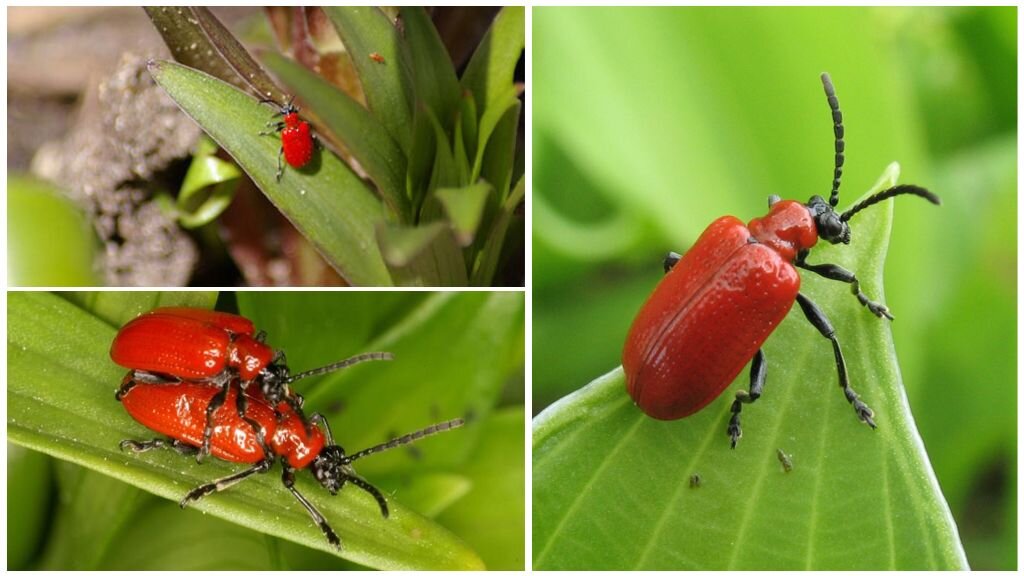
{"x":818,"y":319}
{"x":835,"y":272}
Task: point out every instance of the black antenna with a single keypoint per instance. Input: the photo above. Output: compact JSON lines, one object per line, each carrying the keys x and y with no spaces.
{"x":339,"y":365}
{"x":428,"y":431}
{"x":837,"y":123}
{"x":886,"y":194}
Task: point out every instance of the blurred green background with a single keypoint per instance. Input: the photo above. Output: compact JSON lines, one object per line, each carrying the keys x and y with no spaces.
{"x":649,"y":123}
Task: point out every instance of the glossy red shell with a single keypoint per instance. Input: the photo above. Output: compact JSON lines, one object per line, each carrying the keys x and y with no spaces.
{"x":179,"y":411}
{"x":297,"y":141}
{"x":190,"y":343}
{"x":705,"y":320}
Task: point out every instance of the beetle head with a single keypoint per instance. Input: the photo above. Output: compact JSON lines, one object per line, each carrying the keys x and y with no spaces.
{"x":331,"y":468}
{"x":830,"y":225}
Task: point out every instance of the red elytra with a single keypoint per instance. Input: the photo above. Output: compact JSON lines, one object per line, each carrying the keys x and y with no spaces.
{"x":716,"y":306}
{"x":179,"y":411}
{"x":296,"y":140}
{"x":191,"y":344}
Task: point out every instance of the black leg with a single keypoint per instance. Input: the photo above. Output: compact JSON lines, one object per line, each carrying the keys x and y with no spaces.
{"x":288,"y":479}
{"x":216,"y":402}
{"x":818,"y":319}
{"x":144,"y":445}
{"x":318,"y":418}
{"x":225,"y":482}
{"x":242,"y":406}
{"x":671,"y":259}
{"x":835,"y":272}
{"x":758,"y":372}
{"x":280,"y":166}
{"x":373,"y":492}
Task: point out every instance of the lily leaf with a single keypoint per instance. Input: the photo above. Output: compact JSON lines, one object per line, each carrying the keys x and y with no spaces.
{"x":611,"y":485}
{"x":386,"y":79}
{"x":362,"y":134}
{"x":208,"y":188}
{"x":329,"y":204}
{"x":487,"y":261}
{"x":490,"y":71}
{"x":432,"y":70}
{"x":465,"y":208}
{"x":60,"y":402}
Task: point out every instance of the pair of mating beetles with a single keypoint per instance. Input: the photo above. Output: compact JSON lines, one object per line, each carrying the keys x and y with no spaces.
{"x":187,"y":363}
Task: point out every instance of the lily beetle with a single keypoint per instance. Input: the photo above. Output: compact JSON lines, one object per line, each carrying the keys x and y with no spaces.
{"x":715,"y":306}
{"x":167,"y":345}
{"x":179,"y":411}
{"x":297,"y":141}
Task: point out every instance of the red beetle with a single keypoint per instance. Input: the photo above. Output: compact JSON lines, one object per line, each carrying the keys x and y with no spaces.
{"x":716,"y":305}
{"x":179,"y":411}
{"x":297,"y":141}
{"x":172,"y":344}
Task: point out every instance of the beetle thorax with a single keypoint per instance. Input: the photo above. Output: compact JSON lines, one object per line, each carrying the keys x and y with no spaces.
{"x":788,"y":228}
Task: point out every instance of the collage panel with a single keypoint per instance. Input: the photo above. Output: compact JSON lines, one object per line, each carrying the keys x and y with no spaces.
{"x":266,"y":430}
{"x":813,"y":376}
{"x":281,"y":146}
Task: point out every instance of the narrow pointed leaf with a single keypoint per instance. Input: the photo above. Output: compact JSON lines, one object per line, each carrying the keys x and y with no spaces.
{"x":611,"y":488}
{"x":237,"y":56}
{"x":387,"y":82}
{"x":329,"y":204}
{"x":432,"y":70}
{"x":465,"y":207}
{"x":490,"y":255}
{"x":362,"y":134}
{"x":490,"y":71}
{"x":489,"y":121}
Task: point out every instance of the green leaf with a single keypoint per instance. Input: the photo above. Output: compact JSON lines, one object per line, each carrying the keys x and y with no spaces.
{"x":208,"y":188}
{"x":500,"y":153}
{"x":116,"y":308}
{"x":363,"y":135}
{"x":91,"y":509}
{"x":403,"y":244}
{"x":453,"y":354}
{"x":467,"y":115}
{"x":493,"y":115}
{"x":329,"y":204}
{"x":490,"y":71}
{"x":432,"y":70}
{"x":498,"y":533}
{"x":465,"y":208}
{"x":611,"y":486}
{"x":49,"y":240}
{"x":190,"y":44}
{"x":429,"y":494}
{"x":490,"y":255}
{"x":203,"y":536}
{"x":29,"y":484}
{"x":388,"y":85}
{"x":236,"y":56}
{"x":60,"y":402}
